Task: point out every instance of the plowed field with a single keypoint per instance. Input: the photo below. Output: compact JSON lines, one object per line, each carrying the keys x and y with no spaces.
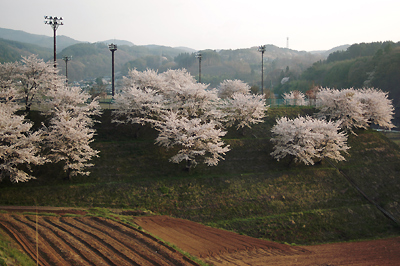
{"x":87,"y":241}
{"x":218,"y":247}
{"x":98,"y":241}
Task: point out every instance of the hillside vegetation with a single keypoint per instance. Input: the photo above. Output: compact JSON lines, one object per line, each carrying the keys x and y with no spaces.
{"x":249,"y":192}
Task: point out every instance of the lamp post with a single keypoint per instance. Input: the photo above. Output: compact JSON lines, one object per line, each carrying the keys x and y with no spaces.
{"x":199,"y":55}
{"x":54,"y":22}
{"x":66,"y":59}
{"x":262,"y":50}
{"x":113,"y":48}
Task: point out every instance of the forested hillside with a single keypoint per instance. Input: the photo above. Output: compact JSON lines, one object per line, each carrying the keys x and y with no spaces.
{"x":93,"y":60}
{"x":361,"y":65}
{"x":39,"y":40}
{"x":11,"y":51}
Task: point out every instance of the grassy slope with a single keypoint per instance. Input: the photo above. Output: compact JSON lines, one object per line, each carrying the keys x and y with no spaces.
{"x":249,"y":192}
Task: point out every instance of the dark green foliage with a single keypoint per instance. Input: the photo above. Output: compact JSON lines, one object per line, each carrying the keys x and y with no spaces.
{"x":360,"y":50}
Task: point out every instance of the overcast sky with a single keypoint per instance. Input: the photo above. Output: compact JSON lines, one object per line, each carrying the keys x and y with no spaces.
{"x":212,"y":24}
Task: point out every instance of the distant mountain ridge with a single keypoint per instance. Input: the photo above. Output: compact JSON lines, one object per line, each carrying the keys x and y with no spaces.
{"x":328,"y":52}
{"x":93,"y":60}
{"x":65,"y":41}
{"x":41,"y":40}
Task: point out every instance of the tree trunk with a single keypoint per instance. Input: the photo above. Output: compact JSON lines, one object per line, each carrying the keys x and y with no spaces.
{"x":188,"y":165}
{"x":68,"y":177}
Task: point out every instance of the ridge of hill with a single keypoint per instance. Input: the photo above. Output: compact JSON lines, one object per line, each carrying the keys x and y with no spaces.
{"x":36,"y":39}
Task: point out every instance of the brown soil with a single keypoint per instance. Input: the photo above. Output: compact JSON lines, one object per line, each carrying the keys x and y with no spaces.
{"x":86,"y":241}
{"x":218,"y":247}
{"x":99,"y":241}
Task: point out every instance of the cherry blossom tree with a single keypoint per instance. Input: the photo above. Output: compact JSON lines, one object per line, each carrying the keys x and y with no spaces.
{"x":7,"y":72}
{"x":69,"y":133}
{"x":243,"y":110}
{"x":194,"y":137}
{"x":308,"y":140}
{"x":378,"y":109}
{"x":342,"y":105}
{"x":146,"y":79}
{"x":295,"y":98}
{"x":136,"y":105}
{"x":175,"y":80}
{"x":195,"y":101}
{"x":228,"y":87}
{"x":19,"y":147}
{"x":32,"y":77}
{"x":148,"y":97}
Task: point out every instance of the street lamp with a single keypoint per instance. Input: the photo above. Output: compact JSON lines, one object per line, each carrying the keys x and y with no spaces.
{"x":262,"y":50}
{"x":113,"y":48}
{"x":199,"y":55}
{"x":66,"y":59}
{"x":54,"y":22}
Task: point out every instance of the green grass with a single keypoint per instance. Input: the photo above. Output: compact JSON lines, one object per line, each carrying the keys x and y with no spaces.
{"x":393,"y":136}
{"x":40,"y":213}
{"x":10,"y":254}
{"x":248,"y":192}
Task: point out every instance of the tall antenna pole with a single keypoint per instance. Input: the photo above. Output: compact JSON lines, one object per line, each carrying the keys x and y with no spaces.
{"x":66,"y":59}
{"x":262,"y":50}
{"x":54,"y":22}
{"x":113,"y":48}
{"x":199,"y":55}
{"x":287,"y":42}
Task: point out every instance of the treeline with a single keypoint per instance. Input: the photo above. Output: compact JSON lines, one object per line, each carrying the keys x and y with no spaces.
{"x":361,"y":65}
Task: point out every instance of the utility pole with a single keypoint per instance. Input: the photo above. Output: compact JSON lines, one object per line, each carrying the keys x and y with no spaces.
{"x":54,"y":22}
{"x":262,"y":50}
{"x":199,"y":55}
{"x":66,"y":59}
{"x":113,"y":48}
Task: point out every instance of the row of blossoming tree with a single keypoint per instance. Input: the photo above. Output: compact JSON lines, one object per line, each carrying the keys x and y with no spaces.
{"x":309,"y":140}
{"x":188,"y":116}
{"x":65,"y":134}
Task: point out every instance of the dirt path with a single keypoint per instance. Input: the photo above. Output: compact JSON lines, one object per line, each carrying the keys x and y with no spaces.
{"x":219,"y":247}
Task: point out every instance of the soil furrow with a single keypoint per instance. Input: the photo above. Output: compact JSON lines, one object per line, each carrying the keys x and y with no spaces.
{"x":73,"y":248}
{"x":46,"y":250}
{"x":131,"y":244}
{"x":57,"y":244}
{"x":149,"y":241}
{"x":22,"y":241}
{"x":115,"y":255}
{"x":100,"y":255}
